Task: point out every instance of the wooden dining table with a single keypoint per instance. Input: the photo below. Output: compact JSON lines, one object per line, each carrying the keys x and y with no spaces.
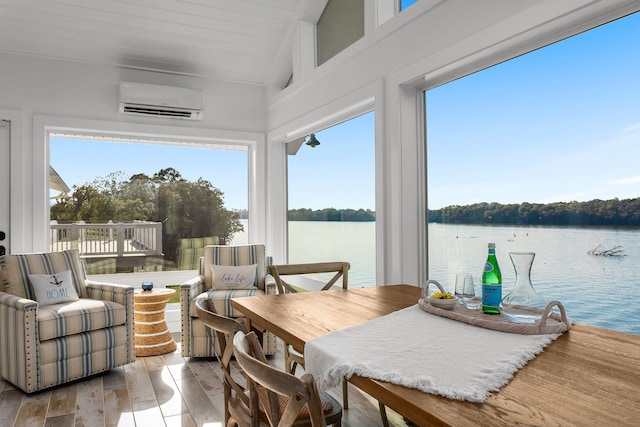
{"x":590,"y":376}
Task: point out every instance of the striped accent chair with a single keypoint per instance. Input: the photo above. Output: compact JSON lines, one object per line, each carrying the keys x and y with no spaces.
{"x":42,"y":346}
{"x":195,"y":340}
{"x":190,"y":251}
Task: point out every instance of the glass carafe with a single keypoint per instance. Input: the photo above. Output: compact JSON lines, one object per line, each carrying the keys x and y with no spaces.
{"x":523,"y":304}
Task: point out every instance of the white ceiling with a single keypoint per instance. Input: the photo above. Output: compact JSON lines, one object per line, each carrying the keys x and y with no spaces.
{"x":228,"y":40}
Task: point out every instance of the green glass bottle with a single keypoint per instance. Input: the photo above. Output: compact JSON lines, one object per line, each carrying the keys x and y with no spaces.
{"x":491,"y":283}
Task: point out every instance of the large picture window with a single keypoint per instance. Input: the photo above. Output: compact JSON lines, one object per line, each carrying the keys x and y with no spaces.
{"x":331,"y":199}
{"x":135,"y":205}
{"x":540,"y":154}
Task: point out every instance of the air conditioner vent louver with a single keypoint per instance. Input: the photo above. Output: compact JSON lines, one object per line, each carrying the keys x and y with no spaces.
{"x":148,"y":111}
{"x":161,"y":101}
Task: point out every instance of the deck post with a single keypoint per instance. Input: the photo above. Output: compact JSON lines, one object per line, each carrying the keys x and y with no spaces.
{"x":158,"y":244}
{"x":120,"y":234}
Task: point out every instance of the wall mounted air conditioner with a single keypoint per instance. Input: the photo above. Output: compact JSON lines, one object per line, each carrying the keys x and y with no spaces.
{"x":143,"y":99}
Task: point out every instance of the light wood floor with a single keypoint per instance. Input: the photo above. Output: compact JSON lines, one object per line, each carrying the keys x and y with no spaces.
{"x":166,"y":390}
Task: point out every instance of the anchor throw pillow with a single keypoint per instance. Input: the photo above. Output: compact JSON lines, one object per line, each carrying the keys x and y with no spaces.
{"x":53,"y":288}
{"x":233,"y":277}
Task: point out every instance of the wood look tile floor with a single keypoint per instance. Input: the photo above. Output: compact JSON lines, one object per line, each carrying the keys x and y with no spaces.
{"x":166,"y":390}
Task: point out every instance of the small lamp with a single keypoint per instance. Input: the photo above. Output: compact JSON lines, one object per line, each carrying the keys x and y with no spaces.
{"x":313,"y":142}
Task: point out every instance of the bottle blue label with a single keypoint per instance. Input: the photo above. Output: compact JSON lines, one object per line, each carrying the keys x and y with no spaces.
{"x":491,"y":295}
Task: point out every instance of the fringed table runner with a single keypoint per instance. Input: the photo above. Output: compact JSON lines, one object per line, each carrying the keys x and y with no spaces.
{"x":423,"y":351}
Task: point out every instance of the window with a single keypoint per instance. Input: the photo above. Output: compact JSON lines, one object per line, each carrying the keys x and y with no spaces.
{"x":165,"y":193}
{"x":406,"y":3}
{"x":339,"y":26}
{"x":540,"y":154}
{"x":331,"y":199}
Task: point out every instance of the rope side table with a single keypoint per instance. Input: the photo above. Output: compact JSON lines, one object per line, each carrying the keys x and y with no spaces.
{"x":152,"y":336}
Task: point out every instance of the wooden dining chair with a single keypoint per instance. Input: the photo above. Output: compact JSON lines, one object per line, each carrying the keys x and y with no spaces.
{"x":285,"y":399}
{"x":235,"y":383}
{"x":339,"y":270}
{"x":292,"y":357}
{"x":322,"y":280}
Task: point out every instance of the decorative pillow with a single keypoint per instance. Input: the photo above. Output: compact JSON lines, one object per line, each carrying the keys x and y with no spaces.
{"x":233,"y":276}
{"x":53,"y":288}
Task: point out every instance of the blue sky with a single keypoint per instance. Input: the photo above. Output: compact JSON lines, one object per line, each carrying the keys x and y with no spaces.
{"x":558,"y":124}
{"x":340,"y":172}
{"x":406,"y":3}
{"x":225,"y":169}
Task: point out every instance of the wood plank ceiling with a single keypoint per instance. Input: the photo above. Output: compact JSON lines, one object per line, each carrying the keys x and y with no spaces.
{"x":228,"y":40}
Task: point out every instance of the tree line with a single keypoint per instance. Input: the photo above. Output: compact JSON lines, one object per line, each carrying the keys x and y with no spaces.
{"x":614,"y":212}
{"x":331,"y":214}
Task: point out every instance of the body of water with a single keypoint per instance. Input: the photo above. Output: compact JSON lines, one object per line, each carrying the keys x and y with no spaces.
{"x":596,"y":290}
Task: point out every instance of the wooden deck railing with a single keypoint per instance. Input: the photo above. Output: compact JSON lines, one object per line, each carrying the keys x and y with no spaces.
{"x":139,"y":238}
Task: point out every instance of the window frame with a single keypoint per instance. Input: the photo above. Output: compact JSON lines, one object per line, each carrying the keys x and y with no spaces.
{"x":297,"y":144}
{"x":46,"y":126}
{"x":467,"y":67}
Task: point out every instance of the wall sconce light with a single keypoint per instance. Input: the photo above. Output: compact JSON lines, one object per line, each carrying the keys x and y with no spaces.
{"x":313,"y":142}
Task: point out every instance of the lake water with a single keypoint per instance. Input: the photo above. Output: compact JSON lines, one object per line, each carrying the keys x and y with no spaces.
{"x":596,"y":290}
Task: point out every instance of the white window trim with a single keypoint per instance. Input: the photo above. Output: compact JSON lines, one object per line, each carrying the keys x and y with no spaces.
{"x":363,"y":100}
{"x":18,"y":224}
{"x":45,"y":126}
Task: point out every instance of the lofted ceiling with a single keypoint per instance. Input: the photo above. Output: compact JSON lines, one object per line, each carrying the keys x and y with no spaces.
{"x":228,"y":40}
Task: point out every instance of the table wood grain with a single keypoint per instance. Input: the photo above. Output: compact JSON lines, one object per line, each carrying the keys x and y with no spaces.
{"x":588,"y":376}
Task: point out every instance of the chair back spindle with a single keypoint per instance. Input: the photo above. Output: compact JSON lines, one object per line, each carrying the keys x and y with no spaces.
{"x":284,"y":398}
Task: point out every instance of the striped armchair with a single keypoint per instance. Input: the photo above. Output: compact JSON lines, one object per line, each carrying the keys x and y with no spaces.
{"x":195,"y":341}
{"x":45,"y":342}
{"x":190,"y":250}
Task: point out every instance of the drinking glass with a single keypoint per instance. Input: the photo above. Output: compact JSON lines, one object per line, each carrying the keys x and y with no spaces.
{"x":463,"y":282}
{"x":469,"y":296}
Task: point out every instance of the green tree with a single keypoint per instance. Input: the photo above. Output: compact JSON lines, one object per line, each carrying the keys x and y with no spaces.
{"x":191,"y":209}
{"x":139,"y":187}
{"x":85,"y":204}
{"x":596,"y":212}
{"x":186,"y":209}
{"x":331,"y":214}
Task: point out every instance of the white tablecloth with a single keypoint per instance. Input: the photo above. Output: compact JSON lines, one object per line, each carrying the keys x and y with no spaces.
{"x":423,"y":351}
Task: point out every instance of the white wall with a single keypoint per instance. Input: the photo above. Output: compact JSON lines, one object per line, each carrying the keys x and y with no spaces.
{"x":67,"y":89}
{"x":48,"y":93}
